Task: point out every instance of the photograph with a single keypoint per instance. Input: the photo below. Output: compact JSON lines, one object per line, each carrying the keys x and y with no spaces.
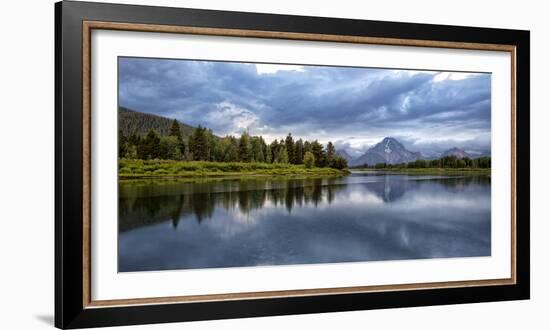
{"x":230,"y":163}
{"x":240,"y":164}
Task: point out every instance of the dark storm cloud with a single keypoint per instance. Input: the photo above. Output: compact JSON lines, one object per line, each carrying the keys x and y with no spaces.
{"x":352,"y":106}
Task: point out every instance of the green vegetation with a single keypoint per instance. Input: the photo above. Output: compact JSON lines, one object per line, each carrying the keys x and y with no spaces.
{"x":136,"y":168}
{"x":447,"y":162}
{"x":155,"y":147}
{"x":172,"y":149}
{"x":433,"y":170}
{"x":444,"y":165}
{"x":130,"y":122}
{"x":309,"y":160}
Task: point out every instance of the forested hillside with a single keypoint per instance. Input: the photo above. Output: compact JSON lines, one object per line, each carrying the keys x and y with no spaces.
{"x":130,"y":122}
{"x":148,"y":137}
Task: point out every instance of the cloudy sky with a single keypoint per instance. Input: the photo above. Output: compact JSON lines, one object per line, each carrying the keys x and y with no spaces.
{"x":355,"y":108}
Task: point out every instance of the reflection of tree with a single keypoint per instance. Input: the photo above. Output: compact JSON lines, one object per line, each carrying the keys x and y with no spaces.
{"x":138,"y":211}
{"x":135,"y":212}
{"x":460,"y":183}
{"x":147,"y":204}
{"x":289,"y":197}
{"x":175,"y":214}
{"x":202,"y":205}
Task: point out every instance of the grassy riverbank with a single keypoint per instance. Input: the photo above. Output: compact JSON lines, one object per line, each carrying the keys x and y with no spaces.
{"x":132,"y":168}
{"x":433,"y":171}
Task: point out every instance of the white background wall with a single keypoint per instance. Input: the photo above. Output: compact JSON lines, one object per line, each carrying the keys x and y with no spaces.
{"x":27,"y":163}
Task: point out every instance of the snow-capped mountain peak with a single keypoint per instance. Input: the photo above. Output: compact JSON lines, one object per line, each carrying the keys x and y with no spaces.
{"x":389,"y":151}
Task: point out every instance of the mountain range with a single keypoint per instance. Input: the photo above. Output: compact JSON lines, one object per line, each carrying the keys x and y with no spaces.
{"x":389,"y":150}
{"x":344,"y":154}
{"x":458,"y":153}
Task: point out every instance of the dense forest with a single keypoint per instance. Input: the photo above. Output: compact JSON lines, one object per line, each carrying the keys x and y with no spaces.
{"x":202,"y":145}
{"x":149,"y":137}
{"x":443,"y":162}
{"x":130,"y":121}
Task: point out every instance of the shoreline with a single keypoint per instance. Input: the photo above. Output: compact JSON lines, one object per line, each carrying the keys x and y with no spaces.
{"x":428,"y":170}
{"x":132,"y":169}
{"x":230,"y":175}
{"x":166,"y":169}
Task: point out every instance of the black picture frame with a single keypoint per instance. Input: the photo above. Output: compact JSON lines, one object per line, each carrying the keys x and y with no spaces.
{"x":70,"y":309}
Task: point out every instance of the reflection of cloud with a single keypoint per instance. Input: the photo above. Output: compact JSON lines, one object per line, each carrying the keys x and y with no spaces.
{"x":420,"y":219}
{"x":233,"y":223}
{"x":365,"y":198}
{"x":315,"y":102}
{"x":410,"y":198}
{"x":419,"y":202}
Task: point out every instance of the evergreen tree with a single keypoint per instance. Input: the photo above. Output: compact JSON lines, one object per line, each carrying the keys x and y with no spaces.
{"x":192,"y":143}
{"x":256,"y":150}
{"x":339,"y":162}
{"x":176,"y":132}
{"x":245,"y":154}
{"x":274,"y":146}
{"x":484,"y":162}
{"x":202,"y":145}
{"x":319,"y":153}
{"x":268,"y":155}
{"x":170,"y":148}
{"x":229,"y":149}
{"x":331,"y":153}
{"x":175,"y":129}
{"x":282,"y":155}
{"x":217,"y":154}
{"x":289,"y":144}
{"x":210,"y":144}
{"x":122,"y":144}
{"x":133,"y":142}
{"x":149,"y":148}
{"x":264,"y":148}
{"x":134,"y":139}
{"x":198,"y":144}
{"x":307,"y":146}
{"x":299,"y":152}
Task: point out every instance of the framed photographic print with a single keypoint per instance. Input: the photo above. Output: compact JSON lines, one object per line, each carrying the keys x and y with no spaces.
{"x":214,"y":164}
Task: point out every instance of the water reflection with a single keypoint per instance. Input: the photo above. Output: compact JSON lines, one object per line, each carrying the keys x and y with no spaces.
{"x":228,"y":223}
{"x":200,"y":199}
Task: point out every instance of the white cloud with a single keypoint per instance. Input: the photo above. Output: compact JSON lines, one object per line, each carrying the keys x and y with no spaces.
{"x":356,"y":107}
{"x":274,"y":68}
{"x":453,"y":76}
{"x":231,"y":118}
{"x":405,"y":105}
{"x":402,"y":73}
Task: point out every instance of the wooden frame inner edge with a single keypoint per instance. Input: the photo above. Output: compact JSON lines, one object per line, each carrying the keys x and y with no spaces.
{"x":86,"y":165}
{"x":88,"y":26}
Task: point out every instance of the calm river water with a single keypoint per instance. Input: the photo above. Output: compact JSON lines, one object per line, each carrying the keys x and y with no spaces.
{"x":170,"y":224}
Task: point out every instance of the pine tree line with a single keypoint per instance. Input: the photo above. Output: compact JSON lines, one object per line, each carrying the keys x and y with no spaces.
{"x":202,"y":145}
{"x":443,"y":162}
